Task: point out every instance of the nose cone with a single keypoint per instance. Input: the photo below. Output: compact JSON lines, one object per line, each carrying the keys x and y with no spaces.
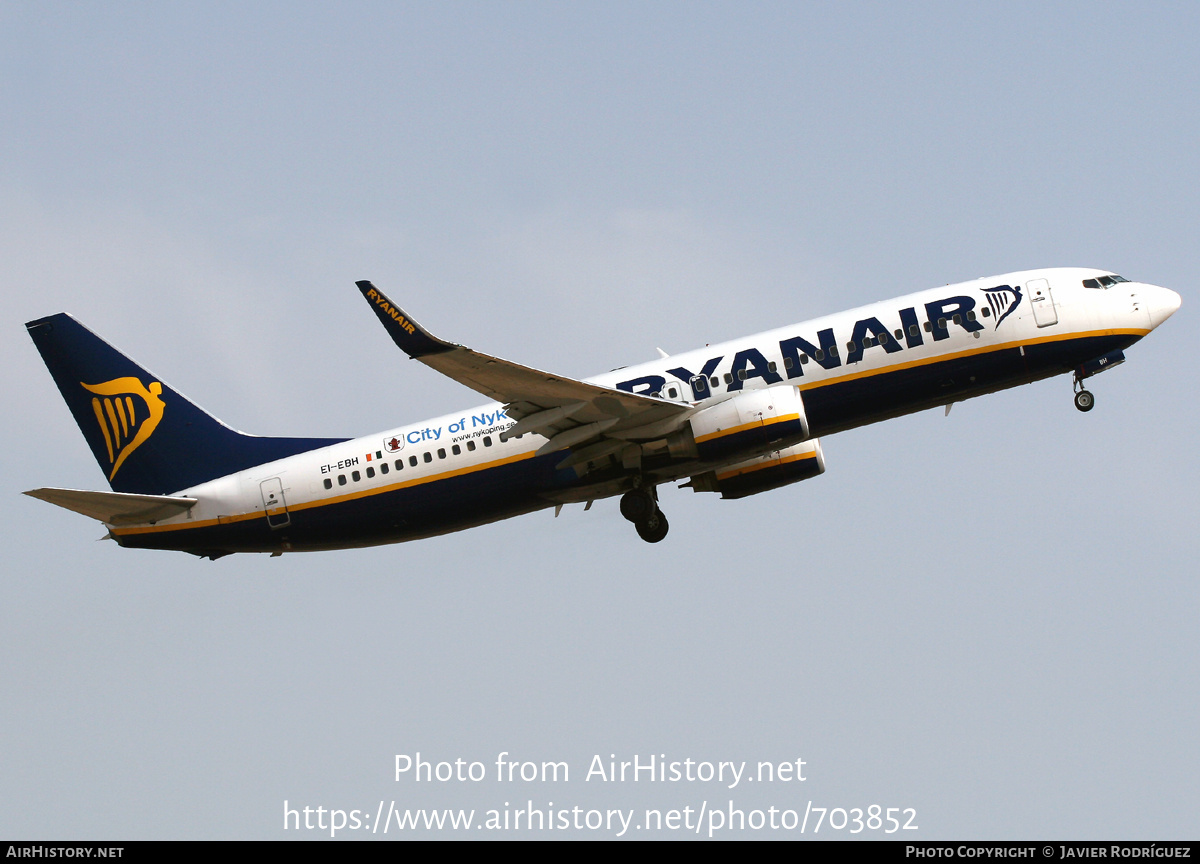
{"x":1161,"y":303}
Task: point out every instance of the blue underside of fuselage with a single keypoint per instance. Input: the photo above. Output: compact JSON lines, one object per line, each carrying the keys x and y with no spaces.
{"x":847,"y":404}
{"x":457,"y":502}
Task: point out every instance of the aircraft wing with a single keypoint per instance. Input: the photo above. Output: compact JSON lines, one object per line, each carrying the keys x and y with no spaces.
{"x":115,"y":508}
{"x":566,"y":411}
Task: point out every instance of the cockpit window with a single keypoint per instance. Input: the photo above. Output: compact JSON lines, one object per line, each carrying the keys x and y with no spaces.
{"x":1103,"y":281}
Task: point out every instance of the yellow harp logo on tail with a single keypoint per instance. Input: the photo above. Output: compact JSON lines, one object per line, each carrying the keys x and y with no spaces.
{"x":128,"y":413}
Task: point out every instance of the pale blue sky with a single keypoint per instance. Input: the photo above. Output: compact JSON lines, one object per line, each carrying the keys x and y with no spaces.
{"x":989,"y":617}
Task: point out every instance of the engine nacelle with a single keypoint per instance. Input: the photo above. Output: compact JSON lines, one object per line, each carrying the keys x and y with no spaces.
{"x":753,"y":422}
{"x":764,"y":473}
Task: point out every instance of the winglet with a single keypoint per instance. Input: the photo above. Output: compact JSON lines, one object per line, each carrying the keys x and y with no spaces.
{"x":414,"y":340}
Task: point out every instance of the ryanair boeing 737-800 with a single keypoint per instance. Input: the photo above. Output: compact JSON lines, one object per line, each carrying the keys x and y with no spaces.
{"x":737,"y":418}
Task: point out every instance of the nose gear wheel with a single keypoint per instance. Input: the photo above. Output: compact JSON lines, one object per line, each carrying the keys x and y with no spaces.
{"x":1084,"y":400}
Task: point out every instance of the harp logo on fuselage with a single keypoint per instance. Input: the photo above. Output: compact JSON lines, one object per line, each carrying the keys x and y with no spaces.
{"x":1001,"y":296}
{"x":128,"y":412}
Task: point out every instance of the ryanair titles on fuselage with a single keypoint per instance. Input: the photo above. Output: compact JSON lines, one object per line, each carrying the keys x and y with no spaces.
{"x":796,"y":351}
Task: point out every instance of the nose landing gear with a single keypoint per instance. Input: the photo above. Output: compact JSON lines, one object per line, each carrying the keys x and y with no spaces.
{"x":1084,"y":400}
{"x":640,"y":506}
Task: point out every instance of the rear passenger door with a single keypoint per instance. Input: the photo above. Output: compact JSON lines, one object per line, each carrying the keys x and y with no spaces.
{"x":274,"y":503}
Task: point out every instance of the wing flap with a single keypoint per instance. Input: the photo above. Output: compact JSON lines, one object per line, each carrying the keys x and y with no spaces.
{"x":114,"y":508}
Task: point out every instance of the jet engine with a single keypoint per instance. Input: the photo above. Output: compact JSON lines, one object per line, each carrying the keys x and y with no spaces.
{"x":764,"y":473}
{"x":750,"y":423}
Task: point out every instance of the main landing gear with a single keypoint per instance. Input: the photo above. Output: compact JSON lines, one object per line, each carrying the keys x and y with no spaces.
{"x":640,"y":506}
{"x":1084,"y":400}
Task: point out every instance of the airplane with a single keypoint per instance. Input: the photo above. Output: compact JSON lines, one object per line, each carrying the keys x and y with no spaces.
{"x":736,"y":418}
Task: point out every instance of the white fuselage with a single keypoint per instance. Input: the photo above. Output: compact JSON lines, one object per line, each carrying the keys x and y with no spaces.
{"x":851,"y":368}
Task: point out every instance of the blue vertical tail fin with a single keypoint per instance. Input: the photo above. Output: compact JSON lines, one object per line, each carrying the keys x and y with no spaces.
{"x":147,"y":438}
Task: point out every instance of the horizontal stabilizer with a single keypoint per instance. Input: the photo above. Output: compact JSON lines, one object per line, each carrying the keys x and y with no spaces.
{"x":115,"y":508}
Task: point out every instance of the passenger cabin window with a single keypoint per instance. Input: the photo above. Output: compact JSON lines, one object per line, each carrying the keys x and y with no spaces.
{"x":370,"y":472}
{"x":441,"y":452}
{"x":487,"y":440}
{"x":399,"y":464}
{"x":456,"y":449}
{"x":914,"y":330}
{"x":427,"y":456}
{"x":328,"y":483}
{"x":470,"y":445}
{"x":383,"y":468}
{"x":341,"y":479}
{"x":355,"y":476}
{"x":987,"y":313}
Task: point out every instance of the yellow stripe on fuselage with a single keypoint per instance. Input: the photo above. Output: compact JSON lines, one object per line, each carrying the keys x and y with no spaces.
{"x":322,"y":502}
{"x":983,"y":349}
{"x":823,"y":382}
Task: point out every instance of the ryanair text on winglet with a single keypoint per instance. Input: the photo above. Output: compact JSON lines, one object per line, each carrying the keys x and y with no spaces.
{"x":390,"y":310}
